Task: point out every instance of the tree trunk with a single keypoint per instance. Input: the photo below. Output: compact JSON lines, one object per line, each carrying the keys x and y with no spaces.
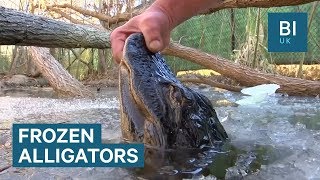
{"x":14,"y":59}
{"x":102,"y":66}
{"x":19,"y":61}
{"x":91,"y":69}
{"x":32,"y":70}
{"x":19,"y":28}
{"x":245,"y":75}
{"x":233,"y":37}
{"x":57,"y":76}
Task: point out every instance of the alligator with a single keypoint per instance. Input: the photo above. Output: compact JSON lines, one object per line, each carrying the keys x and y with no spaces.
{"x":157,"y":109}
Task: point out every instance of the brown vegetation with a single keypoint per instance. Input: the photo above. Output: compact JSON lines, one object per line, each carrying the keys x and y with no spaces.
{"x":309,"y":72}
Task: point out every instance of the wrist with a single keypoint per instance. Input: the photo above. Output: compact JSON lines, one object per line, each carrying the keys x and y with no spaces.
{"x":178,"y":11}
{"x":165,"y":12}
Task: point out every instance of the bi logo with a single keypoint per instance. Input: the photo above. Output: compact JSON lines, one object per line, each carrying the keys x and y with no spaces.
{"x":287,"y":32}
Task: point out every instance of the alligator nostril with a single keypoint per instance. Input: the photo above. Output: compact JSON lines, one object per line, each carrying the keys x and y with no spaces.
{"x":177,"y":96}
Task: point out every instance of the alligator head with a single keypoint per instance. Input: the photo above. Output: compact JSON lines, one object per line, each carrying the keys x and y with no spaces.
{"x":156,"y":108}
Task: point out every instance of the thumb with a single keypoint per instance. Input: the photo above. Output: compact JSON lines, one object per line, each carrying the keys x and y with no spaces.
{"x":155,"y":45}
{"x":154,"y":34}
{"x":153,"y":38}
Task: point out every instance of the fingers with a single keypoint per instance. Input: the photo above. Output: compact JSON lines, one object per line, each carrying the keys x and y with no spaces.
{"x":119,"y":36}
{"x":117,"y":42}
{"x":154,"y":26}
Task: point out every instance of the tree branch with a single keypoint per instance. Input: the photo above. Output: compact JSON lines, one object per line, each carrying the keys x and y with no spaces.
{"x":65,"y":15}
{"x":225,"y":4}
{"x":103,"y":17}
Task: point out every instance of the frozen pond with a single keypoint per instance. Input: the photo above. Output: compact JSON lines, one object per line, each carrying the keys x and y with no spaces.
{"x":275,"y":139}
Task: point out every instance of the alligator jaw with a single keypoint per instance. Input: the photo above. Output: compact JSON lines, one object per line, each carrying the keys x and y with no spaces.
{"x":138,"y":122}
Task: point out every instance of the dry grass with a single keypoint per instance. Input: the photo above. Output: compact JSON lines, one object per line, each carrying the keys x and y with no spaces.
{"x":201,"y":72}
{"x":310,"y":72}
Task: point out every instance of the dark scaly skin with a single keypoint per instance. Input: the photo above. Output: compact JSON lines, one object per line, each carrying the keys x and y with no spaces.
{"x":157,"y":109}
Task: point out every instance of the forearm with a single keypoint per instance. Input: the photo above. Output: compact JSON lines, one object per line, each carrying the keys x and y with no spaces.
{"x":180,"y":10}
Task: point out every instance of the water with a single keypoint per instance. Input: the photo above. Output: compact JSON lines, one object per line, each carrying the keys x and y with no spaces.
{"x":276,"y":139}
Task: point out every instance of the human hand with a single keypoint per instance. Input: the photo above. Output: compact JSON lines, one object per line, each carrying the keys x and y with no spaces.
{"x":155,"y":25}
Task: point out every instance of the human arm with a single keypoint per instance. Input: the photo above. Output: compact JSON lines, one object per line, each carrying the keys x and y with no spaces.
{"x":157,"y":22}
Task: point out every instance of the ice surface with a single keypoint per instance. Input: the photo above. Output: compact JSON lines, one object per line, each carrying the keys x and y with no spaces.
{"x":283,"y":132}
{"x":13,"y":107}
{"x":272,"y":124}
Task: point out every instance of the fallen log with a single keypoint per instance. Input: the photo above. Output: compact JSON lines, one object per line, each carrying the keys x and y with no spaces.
{"x":210,"y":83}
{"x":244,"y":75}
{"x":22,"y":29}
{"x":59,"y":79}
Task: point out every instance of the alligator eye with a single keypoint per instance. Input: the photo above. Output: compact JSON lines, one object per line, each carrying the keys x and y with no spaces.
{"x":175,"y":94}
{"x":188,"y":102}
